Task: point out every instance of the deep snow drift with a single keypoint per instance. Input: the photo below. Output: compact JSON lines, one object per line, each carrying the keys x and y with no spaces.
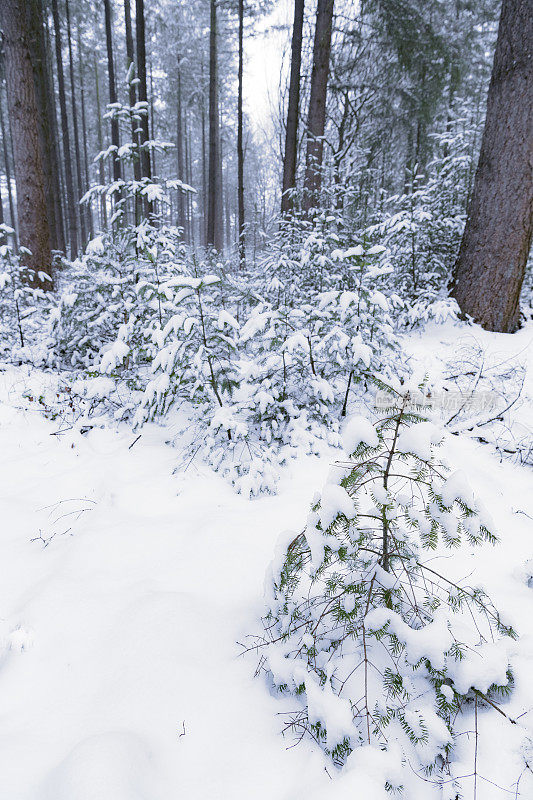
{"x":121,"y":676}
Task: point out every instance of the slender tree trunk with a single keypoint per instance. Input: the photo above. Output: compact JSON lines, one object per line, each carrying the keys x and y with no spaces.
{"x":7,"y":168}
{"x":152,"y":118}
{"x":115,"y":134}
{"x":101,"y":169}
{"x":291,"y":132}
{"x":240,"y":143}
{"x":69,"y":182}
{"x":204,"y":166}
{"x":86,"y":176}
{"x":497,"y":238}
{"x":187,"y":155}
{"x":135,"y":128}
{"x":215,"y":227}
{"x":179,"y":148}
{"x":77,"y":154}
{"x":58,"y":182}
{"x":188,"y":163}
{"x":316,"y":119}
{"x":32,"y":215}
{"x":143,"y":87}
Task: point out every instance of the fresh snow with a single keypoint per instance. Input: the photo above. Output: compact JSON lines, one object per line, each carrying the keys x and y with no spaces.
{"x":121,"y":673}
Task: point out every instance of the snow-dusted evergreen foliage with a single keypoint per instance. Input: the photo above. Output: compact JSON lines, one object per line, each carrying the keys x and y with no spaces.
{"x":376,"y":644}
{"x":270,"y":371}
{"x":23,"y":306}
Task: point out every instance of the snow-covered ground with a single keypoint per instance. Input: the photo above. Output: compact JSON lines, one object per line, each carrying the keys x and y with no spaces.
{"x":120,"y":669}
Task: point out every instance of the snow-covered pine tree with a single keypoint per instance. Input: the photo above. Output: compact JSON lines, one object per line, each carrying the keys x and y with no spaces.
{"x":374,"y":641}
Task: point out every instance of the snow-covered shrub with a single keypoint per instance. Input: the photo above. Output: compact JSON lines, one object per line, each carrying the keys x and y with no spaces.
{"x":269,"y":375}
{"x":99,"y":319}
{"x":422,"y":228}
{"x":372,"y":639}
{"x":24,"y":302}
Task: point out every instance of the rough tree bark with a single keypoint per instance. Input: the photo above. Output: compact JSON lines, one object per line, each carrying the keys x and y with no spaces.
{"x":45,"y":112}
{"x":492,"y":258}
{"x":215,"y":226}
{"x":291,"y":131}
{"x":34,"y":231}
{"x":67,"y":160}
{"x":316,"y":119}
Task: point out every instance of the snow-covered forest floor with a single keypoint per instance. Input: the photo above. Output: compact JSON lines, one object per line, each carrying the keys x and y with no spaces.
{"x":127,"y":592}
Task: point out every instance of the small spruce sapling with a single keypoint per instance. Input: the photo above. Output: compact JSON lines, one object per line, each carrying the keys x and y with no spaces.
{"x":362,"y":627}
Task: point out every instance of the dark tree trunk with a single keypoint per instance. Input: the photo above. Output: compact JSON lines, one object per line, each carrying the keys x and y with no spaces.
{"x":135,"y":129}
{"x":291,"y":132}
{"x":316,"y":119}
{"x":77,"y":153}
{"x":58,"y":183}
{"x":86,"y":177}
{"x":69,"y":182}
{"x":42,"y":95}
{"x":7,"y":169}
{"x":101,"y":169}
{"x":215,"y":226}
{"x":34,"y":232}
{"x":240,"y":143}
{"x":152,"y":118}
{"x":497,"y":237}
{"x":115,"y":135}
{"x":143,"y":87}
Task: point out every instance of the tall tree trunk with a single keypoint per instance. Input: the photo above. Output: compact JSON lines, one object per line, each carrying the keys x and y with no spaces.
{"x":215,"y":227}
{"x":77,"y":153}
{"x":152,"y":118}
{"x":115,"y":134}
{"x":135,"y":129}
{"x":143,"y":87}
{"x":497,"y":238}
{"x":291,"y":131}
{"x":57,"y":178}
{"x":190,"y":181}
{"x":65,"y":134}
{"x":34,"y":232}
{"x":40,"y":66}
{"x":179,"y":148}
{"x":240,"y":143}
{"x":204,"y":165}
{"x":316,"y":119}
{"x":7,"y":169}
{"x":86,"y":176}
{"x":101,"y":168}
